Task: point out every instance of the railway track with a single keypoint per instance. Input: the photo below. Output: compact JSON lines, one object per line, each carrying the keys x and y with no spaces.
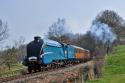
{"x":23,"y":78}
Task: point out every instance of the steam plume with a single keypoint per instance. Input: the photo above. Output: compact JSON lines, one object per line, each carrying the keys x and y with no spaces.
{"x":102,"y":32}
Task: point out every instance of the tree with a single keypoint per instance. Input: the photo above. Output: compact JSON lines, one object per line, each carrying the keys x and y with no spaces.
{"x":21,"y":48}
{"x":3,"y":30}
{"x":13,"y":54}
{"x":59,"y":31}
{"x":113,"y":20}
{"x":88,"y":41}
{"x":3,"y":36}
{"x":9,"y":56}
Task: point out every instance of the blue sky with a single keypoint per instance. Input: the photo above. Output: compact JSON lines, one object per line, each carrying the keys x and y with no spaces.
{"x":28,"y":18}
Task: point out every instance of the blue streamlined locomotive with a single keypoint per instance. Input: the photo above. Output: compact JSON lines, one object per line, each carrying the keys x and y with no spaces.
{"x":54,"y":52}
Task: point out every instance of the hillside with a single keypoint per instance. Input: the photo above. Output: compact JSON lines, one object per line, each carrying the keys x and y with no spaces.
{"x":114,"y":71}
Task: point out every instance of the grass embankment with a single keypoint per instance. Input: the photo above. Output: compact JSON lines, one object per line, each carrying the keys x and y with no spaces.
{"x":15,"y":69}
{"x":114,"y":70}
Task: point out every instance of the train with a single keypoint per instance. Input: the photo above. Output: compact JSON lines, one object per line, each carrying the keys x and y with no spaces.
{"x":55,"y":54}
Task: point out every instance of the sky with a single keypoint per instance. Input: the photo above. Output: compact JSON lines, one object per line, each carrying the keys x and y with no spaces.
{"x":28,"y":18}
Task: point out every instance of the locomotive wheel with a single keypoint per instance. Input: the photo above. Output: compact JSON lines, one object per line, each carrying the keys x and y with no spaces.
{"x":35,"y":68}
{"x":39,"y":68}
{"x":29,"y":69}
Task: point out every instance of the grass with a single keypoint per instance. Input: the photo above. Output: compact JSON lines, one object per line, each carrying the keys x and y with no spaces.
{"x":114,"y":70}
{"x":14,"y":70}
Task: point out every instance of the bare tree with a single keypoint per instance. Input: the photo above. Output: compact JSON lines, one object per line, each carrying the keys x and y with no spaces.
{"x":3,"y":30}
{"x":3,"y":36}
{"x":13,"y":54}
{"x":21,"y":48}
{"x":113,"y":20}
{"x":9,"y":56}
{"x":59,"y":31}
{"x":88,"y":41}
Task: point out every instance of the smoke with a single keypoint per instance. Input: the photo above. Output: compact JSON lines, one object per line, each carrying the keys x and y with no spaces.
{"x":102,"y":33}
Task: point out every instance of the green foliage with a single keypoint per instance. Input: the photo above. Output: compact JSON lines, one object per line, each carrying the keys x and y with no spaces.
{"x":114,"y":71}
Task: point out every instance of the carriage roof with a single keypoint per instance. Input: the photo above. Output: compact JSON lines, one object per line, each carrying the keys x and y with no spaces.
{"x":80,"y":48}
{"x":57,"y":44}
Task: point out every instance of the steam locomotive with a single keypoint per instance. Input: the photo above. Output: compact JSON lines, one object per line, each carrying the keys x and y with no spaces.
{"x":54,"y":54}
